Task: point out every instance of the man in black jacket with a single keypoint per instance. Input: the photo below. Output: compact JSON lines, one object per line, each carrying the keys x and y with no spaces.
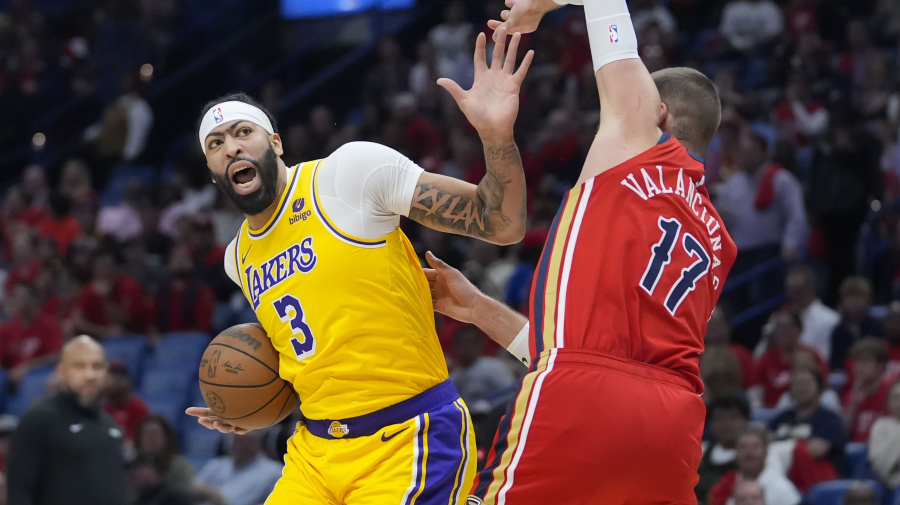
{"x":66,"y":451}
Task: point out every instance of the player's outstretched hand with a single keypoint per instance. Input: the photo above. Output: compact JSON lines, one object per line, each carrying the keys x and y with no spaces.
{"x":522,"y":16}
{"x":452,"y":294}
{"x":208,"y":418}
{"x":493,"y":102}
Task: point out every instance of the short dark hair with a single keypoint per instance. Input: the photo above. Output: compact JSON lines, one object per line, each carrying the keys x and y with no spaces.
{"x":237,"y":97}
{"x":693,"y":101}
{"x":757,"y":431}
{"x":728,"y":403}
{"x":815,"y":372}
{"x":859,"y":286}
{"x":872,"y":348}
{"x":793,"y":315}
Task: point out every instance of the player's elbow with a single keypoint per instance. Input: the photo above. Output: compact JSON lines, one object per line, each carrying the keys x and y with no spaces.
{"x":511,"y":235}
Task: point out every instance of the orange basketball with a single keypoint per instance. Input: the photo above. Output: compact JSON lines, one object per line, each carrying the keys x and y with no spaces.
{"x":239,"y":379}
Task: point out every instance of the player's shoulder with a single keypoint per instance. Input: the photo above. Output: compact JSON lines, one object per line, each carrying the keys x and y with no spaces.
{"x":361,"y":150}
{"x":41,"y":412}
{"x":230,"y":261}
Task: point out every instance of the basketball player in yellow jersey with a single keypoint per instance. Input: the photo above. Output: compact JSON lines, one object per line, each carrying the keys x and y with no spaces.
{"x":341,"y":293}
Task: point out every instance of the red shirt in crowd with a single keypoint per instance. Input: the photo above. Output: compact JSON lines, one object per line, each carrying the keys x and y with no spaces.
{"x":869,"y":410}
{"x":25,"y":273}
{"x":178,"y":311}
{"x":126,"y":292}
{"x":21,"y":342}
{"x":773,"y":373}
{"x":129,"y":415}
{"x":893,"y":366}
{"x":63,"y":232}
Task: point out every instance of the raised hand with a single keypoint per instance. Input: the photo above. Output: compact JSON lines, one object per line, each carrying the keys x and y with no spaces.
{"x":492,"y":104}
{"x":523,"y":16}
{"x":207,"y":417}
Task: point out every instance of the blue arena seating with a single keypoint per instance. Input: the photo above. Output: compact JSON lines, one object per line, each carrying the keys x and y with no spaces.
{"x":2,"y":390}
{"x":170,"y":407}
{"x":198,"y":462}
{"x":832,"y":492}
{"x":764,"y":415}
{"x":181,"y":348}
{"x":173,"y":381}
{"x":199,"y":441}
{"x":129,"y":348}
{"x":32,"y":387}
{"x":858,"y":466}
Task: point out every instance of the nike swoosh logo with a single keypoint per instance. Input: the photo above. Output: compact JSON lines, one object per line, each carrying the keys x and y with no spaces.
{"x":246,"y":253}
{"x":385,"y":439}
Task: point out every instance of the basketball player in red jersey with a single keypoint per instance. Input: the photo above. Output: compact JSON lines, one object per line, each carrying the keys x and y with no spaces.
{"x":610,"y":412}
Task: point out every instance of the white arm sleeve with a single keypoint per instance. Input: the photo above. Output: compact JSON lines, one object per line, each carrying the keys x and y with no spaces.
{"x":519,"y":346}
{"x":230,"y":265}
{"x":365,"y":187}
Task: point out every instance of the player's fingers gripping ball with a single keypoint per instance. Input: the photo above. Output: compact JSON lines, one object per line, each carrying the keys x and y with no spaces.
{"x":239,"y":379}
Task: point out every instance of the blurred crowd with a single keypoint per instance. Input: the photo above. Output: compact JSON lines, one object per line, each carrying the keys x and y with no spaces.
{"x":803,"y":353}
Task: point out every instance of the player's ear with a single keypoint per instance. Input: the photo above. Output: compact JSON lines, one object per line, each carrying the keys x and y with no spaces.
{"x":665,"y":120}
{"x":276,"y":144}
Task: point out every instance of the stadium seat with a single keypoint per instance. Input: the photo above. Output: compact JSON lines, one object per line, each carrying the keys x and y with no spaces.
{"x":198,"y":462}
{"x":199,"y":440}
{"x":32,"y":387}
{"x":181,"y":348}
{"x":169,"y":407}
{"x":247,"y":315}
{"x":2,"y":390}
{"x":858,"y":466}
{"x":832,"y":492}
{"x":837,"y":380}
{"x":129,"y":348}
{"x":764,"y":415}
{"x":172,"y":382}
{"x":223,"y":317}
{"x":121,"y":176}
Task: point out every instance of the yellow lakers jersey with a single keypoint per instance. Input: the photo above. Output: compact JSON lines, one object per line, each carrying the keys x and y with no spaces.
{"x":351,"y":318}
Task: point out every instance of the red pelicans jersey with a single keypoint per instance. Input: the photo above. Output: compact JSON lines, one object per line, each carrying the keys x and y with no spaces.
{"x":634,"y":264}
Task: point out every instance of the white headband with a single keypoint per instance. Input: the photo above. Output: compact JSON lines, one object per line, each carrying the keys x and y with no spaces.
{"x":231,"y":111}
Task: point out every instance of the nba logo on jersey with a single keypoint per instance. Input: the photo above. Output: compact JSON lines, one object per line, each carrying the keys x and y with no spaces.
{"x":217,"y":115}
{"x":613,"y":34}
{"x":338,"y":430}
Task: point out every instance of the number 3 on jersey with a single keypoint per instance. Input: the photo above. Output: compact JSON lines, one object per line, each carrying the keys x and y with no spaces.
{"x":662,"y":256}
{"x":289,"y":310}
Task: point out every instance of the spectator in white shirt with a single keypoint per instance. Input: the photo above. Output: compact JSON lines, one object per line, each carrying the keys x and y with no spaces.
{"x":752,"y":456}
{"x":748,"y":24}
{"x":646,"y":12}
{"x":246,"y":477}
{"x":123,"y":221}
{"x":819,"y":321}
{"x":884,"y":442}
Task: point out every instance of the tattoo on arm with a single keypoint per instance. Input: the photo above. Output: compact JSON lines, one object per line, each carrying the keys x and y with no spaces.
{"x":478,"y":215}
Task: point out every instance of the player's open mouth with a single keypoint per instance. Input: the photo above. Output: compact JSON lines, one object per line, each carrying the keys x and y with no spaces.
{"x":245,"y":177}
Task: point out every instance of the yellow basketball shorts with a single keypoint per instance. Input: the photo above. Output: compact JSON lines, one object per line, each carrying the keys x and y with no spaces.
{"x":428,"y":459}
